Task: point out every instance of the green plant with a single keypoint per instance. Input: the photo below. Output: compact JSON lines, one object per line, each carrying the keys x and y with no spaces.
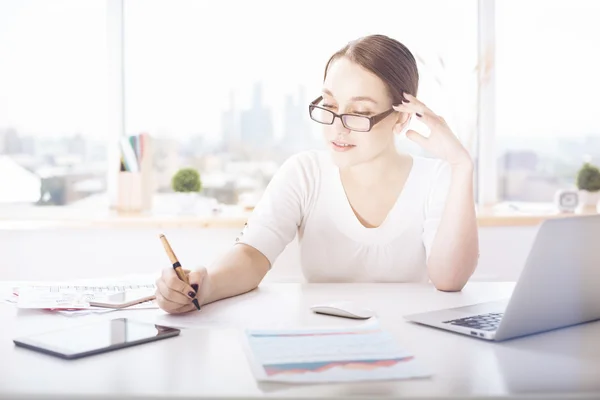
{"x":186,"y":180}
{"x":588,"y":178}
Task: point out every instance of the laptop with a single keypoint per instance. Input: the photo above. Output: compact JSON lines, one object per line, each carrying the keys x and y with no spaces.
{"x":559,"y":286}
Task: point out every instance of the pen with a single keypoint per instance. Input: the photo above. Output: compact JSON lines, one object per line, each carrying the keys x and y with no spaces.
{"x":176,"y":265}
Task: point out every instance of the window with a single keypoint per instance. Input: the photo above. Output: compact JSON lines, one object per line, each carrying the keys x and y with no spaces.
{"x":52,"y":102}
{"x":224,"y":86}
{"x":548,"y":82}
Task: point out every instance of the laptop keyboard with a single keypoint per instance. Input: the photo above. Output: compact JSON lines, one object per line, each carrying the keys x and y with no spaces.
{"x":484,"y":322}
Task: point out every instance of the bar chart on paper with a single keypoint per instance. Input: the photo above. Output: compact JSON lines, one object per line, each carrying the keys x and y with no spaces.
{"x":321,"y":356}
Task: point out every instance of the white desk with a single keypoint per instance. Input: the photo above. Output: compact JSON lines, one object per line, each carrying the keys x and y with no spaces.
{"x":208,"y":361}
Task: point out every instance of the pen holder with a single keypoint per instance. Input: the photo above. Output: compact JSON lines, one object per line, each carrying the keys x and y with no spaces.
{"x":130,"y":192}
{"x":134,"y":181}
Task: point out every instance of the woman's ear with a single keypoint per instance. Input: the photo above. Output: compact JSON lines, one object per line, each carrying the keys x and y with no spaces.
{"x":401,"y":123}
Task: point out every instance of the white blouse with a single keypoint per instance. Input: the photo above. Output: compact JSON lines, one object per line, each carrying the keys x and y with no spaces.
{"x":306,"y":197}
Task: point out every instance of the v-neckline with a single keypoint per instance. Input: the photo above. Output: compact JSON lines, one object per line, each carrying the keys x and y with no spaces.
{"x":349,"y":211}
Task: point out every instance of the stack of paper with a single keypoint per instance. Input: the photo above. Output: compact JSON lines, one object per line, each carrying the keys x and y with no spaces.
{"x":74,"y":297}
{"x":333,"y":355}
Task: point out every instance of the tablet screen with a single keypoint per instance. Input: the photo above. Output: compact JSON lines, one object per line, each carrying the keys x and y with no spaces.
{"x":96,"y":337}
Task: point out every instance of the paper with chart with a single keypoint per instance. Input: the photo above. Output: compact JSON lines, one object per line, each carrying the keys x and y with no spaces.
{"x":74,"y":296}
{"x":329,"y":355}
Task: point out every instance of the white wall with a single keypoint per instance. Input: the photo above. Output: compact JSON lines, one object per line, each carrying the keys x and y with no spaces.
{"x":56,"y":254}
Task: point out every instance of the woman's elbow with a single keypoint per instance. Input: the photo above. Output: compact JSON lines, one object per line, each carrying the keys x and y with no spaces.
{"x":449,"y":286}
{"x":450,"y":278}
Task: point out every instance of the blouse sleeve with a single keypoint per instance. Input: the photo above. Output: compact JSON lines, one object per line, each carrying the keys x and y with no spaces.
{"x":279,"y":213}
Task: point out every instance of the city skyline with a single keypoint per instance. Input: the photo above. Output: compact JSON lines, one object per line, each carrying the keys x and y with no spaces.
{"x":74,"y":167}
{"x":205,"y":90}
{"x":59,"y":78}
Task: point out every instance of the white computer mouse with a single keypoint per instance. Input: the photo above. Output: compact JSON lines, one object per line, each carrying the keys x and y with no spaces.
{"x":345,"y":309}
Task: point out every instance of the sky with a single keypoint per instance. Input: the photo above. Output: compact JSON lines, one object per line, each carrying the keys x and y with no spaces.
{"x":183,"y":59}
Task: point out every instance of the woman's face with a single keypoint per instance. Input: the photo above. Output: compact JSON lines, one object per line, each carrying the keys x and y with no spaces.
{"x":349,"y":88}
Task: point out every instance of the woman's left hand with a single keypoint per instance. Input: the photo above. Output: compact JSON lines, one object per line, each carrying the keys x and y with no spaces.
{"x":441,"y":143}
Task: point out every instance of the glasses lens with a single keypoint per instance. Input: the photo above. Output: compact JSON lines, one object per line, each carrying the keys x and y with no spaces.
{"x":321,"y":115}
{"x":357,"y":123}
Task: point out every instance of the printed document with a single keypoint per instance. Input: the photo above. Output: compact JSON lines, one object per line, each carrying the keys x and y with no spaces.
{"x":329,"y":355}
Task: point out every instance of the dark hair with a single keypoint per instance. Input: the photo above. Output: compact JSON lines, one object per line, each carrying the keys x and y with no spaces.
{"x":387,"y":58}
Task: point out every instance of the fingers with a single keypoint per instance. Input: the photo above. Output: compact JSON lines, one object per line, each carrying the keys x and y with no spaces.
{"x":173,"y":308}
{"x":184,"y":309}
{"x":425,"y":116}
{"x":414,"y":106}
{"x":199,"y":283}
{"x":197,"y":278}
{"x":416,"y":137}
{"x":173,"y":282}
{"x":173,"y":295}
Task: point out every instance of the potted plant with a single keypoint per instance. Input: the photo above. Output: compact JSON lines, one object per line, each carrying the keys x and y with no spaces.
{"x":588,"y":183}
{"x":186,"y":182}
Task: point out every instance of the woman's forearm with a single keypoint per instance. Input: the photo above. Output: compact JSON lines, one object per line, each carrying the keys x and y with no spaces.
{"x":455,"y":249}
{"x":239,"y":271}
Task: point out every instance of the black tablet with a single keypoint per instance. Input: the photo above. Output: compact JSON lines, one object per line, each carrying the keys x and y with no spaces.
{"x":95,"y":338}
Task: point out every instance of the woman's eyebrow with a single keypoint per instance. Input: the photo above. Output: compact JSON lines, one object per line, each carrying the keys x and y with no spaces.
{"x":363,"y":98}
{"x":355,"y":98}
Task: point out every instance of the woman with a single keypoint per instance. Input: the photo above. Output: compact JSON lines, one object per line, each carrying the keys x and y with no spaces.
{"x":363,"y":211}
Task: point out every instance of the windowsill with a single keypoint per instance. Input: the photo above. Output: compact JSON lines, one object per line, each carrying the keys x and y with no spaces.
{"x":53,"y":217}
{"x":522,"y":214}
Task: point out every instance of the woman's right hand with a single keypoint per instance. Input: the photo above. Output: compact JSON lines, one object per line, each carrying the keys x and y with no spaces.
{"x":175,"y":296}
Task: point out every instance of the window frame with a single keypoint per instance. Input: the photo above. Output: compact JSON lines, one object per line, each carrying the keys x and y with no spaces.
{"x":486,"y":175}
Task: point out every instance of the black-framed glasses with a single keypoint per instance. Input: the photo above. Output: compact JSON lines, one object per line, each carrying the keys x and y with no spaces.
{"x":354,"y":122}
